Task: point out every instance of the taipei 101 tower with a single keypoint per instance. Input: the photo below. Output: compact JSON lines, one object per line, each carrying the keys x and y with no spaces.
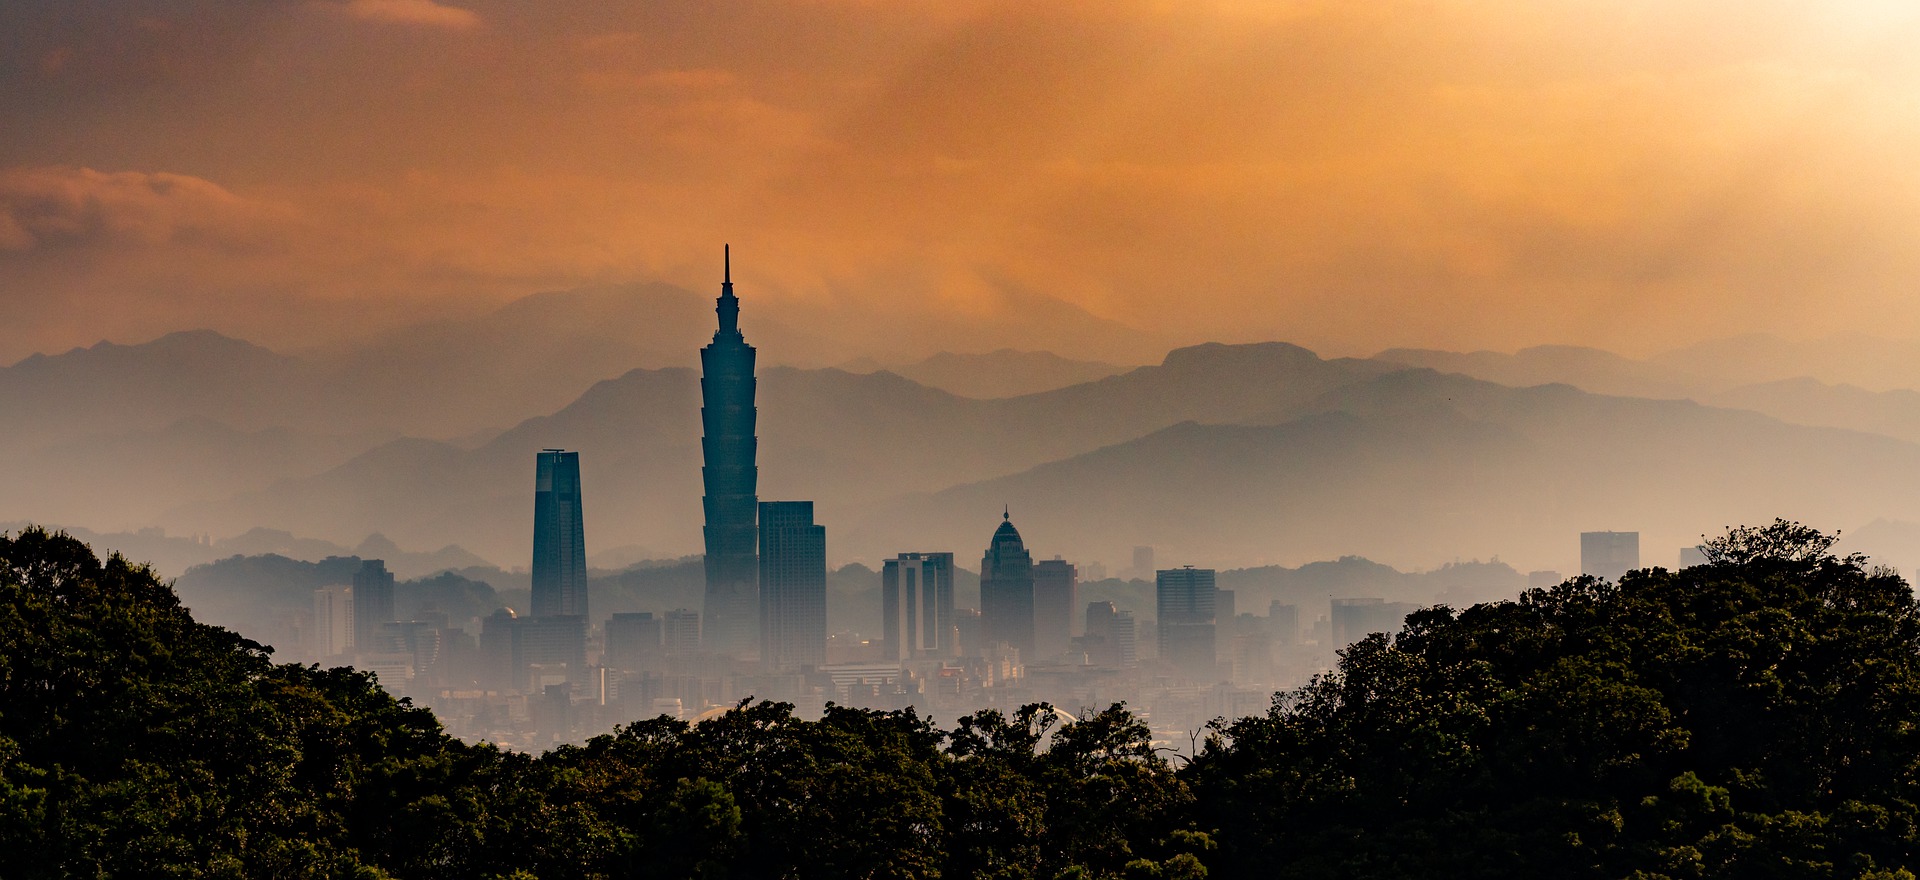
{"x":731,"y":479}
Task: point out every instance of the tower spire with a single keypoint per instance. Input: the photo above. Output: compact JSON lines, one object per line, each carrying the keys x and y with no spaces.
{"x":729,"y":305}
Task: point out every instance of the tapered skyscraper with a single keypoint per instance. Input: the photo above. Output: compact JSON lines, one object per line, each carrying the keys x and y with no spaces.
{"x":559,"y":536}
{"x":732,"y":482}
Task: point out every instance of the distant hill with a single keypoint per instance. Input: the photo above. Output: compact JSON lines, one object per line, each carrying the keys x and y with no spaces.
{"x":1719,"y":373}
{"x":1255,"y":454}
{"x":1589,"y":369}
{"x":126,"y":480}
{"x":172,"y":555}
{"x":1310,"y":586}
{"x":1002,"y":373}
{"x":1806,"y":401}
{"x":454,"y":377}
{"x":1234,"y":455}
{"x":846,"y":441}
{"x":114,"y":434}
{"x":1851,"y":359}
{"x":1894,"y":542}
{"x":111,"y":389}
{"x":1706,"y":368}
{"x":1415,"y":466}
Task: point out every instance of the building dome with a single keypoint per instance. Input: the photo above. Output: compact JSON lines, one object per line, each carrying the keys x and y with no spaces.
{"x":1006,"y":590}
{"x":1006,"y":534}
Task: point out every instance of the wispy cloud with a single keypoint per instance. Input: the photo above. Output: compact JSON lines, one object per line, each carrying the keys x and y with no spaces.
{"x":1489,"y":175}
{"x":415,"y":12}
{"x":56,"y":207}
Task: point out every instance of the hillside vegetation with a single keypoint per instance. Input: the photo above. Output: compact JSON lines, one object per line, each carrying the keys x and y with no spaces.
{"x":1755,"y":717}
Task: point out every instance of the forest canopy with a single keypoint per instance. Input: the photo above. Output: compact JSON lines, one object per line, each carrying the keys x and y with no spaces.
{"x":1752,"y":717}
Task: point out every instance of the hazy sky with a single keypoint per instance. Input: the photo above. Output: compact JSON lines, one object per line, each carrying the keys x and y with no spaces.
{"x":1345,"y":175}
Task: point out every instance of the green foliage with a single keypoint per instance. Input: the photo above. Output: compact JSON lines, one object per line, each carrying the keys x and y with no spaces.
{"x":1753,"y":717}
{"x":1758,"y":716}
{"x":135,"y":741}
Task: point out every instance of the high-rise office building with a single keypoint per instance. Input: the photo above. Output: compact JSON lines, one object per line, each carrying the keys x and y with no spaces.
{"x":1099,"y":614}
{"x":1103,"y":639}
{"x":1142,"y":563}
{"x":1006,"y":591}
{"x":1184,"y":599}
{"x":793,"y":586}
{"x":525,"y":654}
{"x":633,"y":640}
{"x":1120,"y":630}
{"x":1056,"y":587}
{"x":426,"y":643}
{"x":500,"y":651}
{"x":966,"y":628}
{"x":916,"y":606}
{"x":333,"y":620}
{"x":559,"y":539}
{"x":553,"y":649}
{"x":1692,"y":556}
{"x":372,"y":606}
{"x":1283,"y":621}
{"x":680,"y":633}
{"x":1609,"y":555}
{"x":731,"y":480}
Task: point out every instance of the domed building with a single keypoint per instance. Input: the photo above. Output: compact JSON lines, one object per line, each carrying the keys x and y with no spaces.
{"x":1006,"y":591}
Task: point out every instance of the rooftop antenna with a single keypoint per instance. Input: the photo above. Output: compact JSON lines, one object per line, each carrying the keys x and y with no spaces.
{"x":728,"y":307}
{"x":1006,"y":513}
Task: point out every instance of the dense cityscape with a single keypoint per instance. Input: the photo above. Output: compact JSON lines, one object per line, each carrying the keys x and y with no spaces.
{"x":555,"y":673}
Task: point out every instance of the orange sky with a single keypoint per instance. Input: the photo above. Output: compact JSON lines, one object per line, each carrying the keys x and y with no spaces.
{"x":1345,"y":175}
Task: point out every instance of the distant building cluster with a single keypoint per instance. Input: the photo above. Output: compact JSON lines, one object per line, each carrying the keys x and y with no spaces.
{"x":556,"y":673}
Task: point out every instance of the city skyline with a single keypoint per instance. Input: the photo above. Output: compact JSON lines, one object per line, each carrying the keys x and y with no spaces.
{"x":766,"y":564}
{"x":1453,"y":439}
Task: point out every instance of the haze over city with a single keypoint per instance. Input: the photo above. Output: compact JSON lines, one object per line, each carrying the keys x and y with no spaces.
{"x":1345,"y":403}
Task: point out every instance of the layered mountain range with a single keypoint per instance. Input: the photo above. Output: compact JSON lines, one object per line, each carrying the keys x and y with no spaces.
{"x":1221,"y":455}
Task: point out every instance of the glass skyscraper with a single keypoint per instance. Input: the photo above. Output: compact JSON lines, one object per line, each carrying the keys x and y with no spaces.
{"x":1056,"y":591}
{"x":731,"y":480}
{"x":1184,"y":598}
{"x":559,"y":536}
{"x":372,"y":605}
{"x":793,"y":586}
